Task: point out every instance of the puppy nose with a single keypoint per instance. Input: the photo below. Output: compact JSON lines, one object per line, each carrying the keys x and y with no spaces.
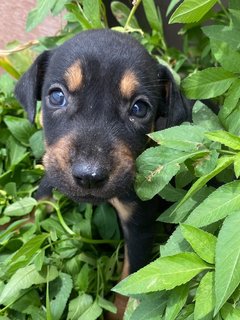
{"x":89,"y":176}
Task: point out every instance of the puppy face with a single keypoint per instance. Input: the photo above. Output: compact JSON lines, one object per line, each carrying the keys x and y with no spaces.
{"x":101,"y":94}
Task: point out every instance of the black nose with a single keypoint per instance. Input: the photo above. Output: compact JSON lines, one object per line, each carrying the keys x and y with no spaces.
{"x":89,"y":175}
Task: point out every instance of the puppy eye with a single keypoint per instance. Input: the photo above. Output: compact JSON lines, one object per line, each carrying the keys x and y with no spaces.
{"x":139,"y":109}
{"x":57,"y":98}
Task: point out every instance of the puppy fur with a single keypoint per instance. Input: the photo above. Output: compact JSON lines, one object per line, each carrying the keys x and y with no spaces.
{"x":101,"y":94}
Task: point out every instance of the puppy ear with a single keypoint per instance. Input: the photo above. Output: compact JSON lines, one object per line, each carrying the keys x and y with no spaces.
{"x":29,"y":87}
{"x":173,"y":108}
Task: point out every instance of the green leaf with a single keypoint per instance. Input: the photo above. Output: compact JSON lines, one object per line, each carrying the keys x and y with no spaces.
{"x":235,"y":16}
{"x":205,"y":165}
{"x":77,"y":15}
{"x":28,"y":300}
{"x":185,"y":137}
{"x":225,"y":138}
{"x":121,"y":13}
{"x":230,"y":102}
{"x":171,"y":194}
{"x":163,"y":274}
{"x":223,"y":163}
{"x":20,"y":207}
{"x":204,"y":117}
{"x":232,"y":122}
{"x":172,"y":5}
{"x":228,"y":57}
{"x":202,"y":242}
{"x":221,"y":203}
{"x":209,"y":83}
{"x":24,"y":255}
{"x":237,"y":165}
{"x":151,"y":307}
{"x":83,"y":278}
{"x":48,"y":309}
{"x":106,"y":304}
{"x":38,"y":259}
{"x":191,"y":11}
{"x":205,"y":299}
{"x":229,"y":312}
{"x":58,"y":7}
{"x":16,"y":152}
{"x":36,"y":313}
{"x":131,"y":307}
{"x":176,"y":301}
{"x":227,"y":259}
{"x":24,"y":278}
{"x":184,"y":177}
{"x":12,"y":227}
{"x":38,"y":14}
{"x":11,"y":189}
{"x":92,"y":313}
{"x":175,"y":244}
{"x":153,"y":15}
{"x":106,"y":221}
{"x":21,"y":129}
{"x":187,"y":313}
{"x":7,"y":84}
{"x":91,"y":9}
{"x":223,"y":33}
{"x":60,"y":291}
{"x":173,"y":215}
{"x":78,"y":306}
{"x":156,"y":167}
{"x":6,"y":64}
{"x":37,"y":144}
{"x":83,"y":307}
{"x":4,"y":220}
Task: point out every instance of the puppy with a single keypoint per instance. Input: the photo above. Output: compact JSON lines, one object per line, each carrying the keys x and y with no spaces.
{"x":101,"y":94}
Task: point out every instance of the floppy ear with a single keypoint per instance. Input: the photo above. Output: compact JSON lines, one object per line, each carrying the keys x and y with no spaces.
{"x":173,"y":108}
{"x":29,"y":87}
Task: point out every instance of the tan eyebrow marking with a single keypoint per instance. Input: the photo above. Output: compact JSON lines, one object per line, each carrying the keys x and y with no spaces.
{"x":128,"y":84}
{"x":74,"y":76}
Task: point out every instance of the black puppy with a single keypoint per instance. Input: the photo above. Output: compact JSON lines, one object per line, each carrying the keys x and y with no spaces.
{"x":101,"y":94}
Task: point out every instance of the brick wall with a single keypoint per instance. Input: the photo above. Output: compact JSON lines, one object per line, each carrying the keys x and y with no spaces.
{"x":13,"y":15}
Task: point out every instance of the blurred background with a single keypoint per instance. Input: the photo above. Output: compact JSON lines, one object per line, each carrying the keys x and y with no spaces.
{"x":14,"y":14}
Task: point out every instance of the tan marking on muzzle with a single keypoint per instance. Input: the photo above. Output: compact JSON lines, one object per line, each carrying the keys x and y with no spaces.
{"x":59,"y":153}
{"x":128,"y":84}
{"x":124,"y":161}
{"x":74,"y":76}
{"x":123,"y":157}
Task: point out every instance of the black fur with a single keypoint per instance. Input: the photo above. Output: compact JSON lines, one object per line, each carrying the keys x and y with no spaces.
{"x":105,"y":138}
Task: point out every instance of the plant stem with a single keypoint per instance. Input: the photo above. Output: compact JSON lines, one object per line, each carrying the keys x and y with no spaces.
{"x":134,"y":8}
{"x":232,"y":153}
{"x":48,"y":307}
{"x":85,"y":240}
{"x":97,"y":241}
{"x":60,"y":217}
{"x":76,"y":236}
{"x":224,"y":9}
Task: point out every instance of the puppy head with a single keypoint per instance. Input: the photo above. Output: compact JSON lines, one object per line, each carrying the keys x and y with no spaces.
{"x":101,"y":94}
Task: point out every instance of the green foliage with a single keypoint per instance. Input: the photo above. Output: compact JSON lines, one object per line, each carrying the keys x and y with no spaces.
{"x":209,"y":83}
{"x":227,"y":260}
{"x":192,"y":11}
{"x":164,"y":273}
{"x":59,"y":260}
{"x":205,"y":299}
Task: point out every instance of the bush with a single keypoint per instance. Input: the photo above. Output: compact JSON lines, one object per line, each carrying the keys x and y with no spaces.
{"x":54,"y":268}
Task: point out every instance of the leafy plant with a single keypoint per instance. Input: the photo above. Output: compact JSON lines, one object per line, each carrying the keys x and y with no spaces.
{"x":64,"y":265}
